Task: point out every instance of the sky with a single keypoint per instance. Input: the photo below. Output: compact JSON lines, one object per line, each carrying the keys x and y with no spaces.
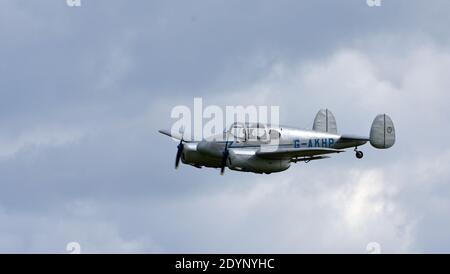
{"x":83,"y":91}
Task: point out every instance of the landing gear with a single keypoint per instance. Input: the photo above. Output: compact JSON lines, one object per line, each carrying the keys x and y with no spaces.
{"x":359,"y":154}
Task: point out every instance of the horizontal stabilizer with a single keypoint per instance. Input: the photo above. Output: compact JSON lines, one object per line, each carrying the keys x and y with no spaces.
{"x":347,"y":140}
{"x":347,"y":137}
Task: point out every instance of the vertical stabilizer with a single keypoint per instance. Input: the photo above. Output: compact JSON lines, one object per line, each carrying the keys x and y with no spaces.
{"x":382,"y":132}
{"x":325,"y":122}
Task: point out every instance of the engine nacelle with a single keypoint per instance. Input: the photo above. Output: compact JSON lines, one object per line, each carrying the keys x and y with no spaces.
{"x":192,"y":156}
{"x":246,"y":160}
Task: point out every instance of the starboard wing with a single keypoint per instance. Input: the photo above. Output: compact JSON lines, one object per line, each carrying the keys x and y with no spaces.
{"x":293,"y":153}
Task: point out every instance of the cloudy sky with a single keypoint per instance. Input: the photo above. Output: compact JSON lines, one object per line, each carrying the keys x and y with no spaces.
{"x":84,"y":90}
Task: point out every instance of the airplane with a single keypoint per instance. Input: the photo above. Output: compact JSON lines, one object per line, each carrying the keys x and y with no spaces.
{"x":262,"y":148}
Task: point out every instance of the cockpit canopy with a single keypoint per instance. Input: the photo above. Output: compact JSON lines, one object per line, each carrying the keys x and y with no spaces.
{"x":252,"y":132}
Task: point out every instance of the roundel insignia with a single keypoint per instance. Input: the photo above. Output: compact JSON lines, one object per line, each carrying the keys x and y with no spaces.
{"x":389,"y":130}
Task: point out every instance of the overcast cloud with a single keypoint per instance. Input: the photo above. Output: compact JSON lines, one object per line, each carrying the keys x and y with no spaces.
{"x":84,"y":90}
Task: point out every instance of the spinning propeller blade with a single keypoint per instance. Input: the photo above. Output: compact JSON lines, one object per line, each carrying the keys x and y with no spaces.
{"x":179,"y":153}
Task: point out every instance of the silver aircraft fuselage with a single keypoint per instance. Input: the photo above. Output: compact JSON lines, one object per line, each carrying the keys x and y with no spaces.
{"x":260,"y":148}
{"x":243,"y":151}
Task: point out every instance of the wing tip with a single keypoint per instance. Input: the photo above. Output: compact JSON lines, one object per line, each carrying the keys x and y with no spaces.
{"x":165,"y":132}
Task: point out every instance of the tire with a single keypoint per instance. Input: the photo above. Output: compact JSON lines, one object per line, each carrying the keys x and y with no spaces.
{"x":359,"y":154}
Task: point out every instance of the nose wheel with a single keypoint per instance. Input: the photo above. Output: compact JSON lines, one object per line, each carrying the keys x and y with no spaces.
{"x":359,"y":154}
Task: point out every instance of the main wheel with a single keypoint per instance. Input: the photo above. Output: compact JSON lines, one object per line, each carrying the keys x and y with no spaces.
{"x":359,"y":154}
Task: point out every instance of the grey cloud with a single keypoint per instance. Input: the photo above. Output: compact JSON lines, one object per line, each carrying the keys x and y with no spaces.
{"x":84,"y":91}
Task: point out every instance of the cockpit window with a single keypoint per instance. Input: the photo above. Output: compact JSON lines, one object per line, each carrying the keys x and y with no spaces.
{"x":238,"y":132}
{"x":274,"y":134}
{"x":257,"y":132}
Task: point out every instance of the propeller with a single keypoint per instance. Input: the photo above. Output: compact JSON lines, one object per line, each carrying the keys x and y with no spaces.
{"x":224,"y":157}
{"x":179,"y":152}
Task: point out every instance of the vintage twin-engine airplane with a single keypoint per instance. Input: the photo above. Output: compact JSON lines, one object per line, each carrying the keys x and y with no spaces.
{"x":261,"y":148}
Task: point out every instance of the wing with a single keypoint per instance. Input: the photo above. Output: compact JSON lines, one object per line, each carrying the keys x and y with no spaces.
{"x":178,"y":136}
{"x":293,"y":153}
